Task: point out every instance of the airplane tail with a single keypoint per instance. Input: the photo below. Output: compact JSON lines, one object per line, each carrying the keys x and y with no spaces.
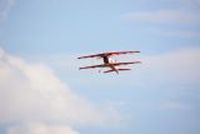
{"x":119,"y":69}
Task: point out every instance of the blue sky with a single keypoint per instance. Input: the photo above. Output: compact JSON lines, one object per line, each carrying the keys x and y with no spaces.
{"x":41,"y":39}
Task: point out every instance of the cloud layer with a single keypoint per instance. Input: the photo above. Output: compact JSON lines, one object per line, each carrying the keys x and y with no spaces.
{"x":179,"y":67}
{"x":175,"y":18}
{"x":5,"y":7}
{"x":164,"y":16}
{"x":38,"y":128}
{"x":31,"y":93}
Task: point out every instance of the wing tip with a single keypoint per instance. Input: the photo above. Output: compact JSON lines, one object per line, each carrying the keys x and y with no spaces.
{"x":136,"y":51}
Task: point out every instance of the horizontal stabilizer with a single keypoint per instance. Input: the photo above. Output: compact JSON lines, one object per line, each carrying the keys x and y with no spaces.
{"x":119,"y":69}
{"x":123,"y":69}
{"x":109,"y":71}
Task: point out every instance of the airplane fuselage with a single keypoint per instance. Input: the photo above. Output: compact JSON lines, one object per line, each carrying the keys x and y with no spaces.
{"x":106,"y":61}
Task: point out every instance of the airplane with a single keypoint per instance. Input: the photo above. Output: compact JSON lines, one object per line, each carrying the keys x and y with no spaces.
{"x":108,"y":62}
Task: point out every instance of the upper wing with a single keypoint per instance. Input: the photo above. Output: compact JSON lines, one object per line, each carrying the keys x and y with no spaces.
{"x":108,"y":54}
{"x":121,"y":52}
{"x":94,"y":66}
{"x":109,"y":65}
{"x":91,"y":56}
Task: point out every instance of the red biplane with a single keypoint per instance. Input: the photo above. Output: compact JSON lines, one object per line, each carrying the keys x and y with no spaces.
{"x":108,"y":63}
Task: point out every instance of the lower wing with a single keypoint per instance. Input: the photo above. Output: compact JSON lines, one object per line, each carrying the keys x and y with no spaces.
{"x":125,"y":63}
{"x":94,"y":66}
{"x":111,"y":65}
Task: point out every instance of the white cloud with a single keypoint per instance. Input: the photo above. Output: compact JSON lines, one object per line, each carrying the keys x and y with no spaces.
{"x":177,"y":33}
{"x":179,"y":4}
{"x":5,"y":7}
{"x":32,"y":93}
{"x":180,"y":67}
{"x":38,"y":128}
{"x":174,"y":105}
{"x":164,"y":16}
{"x":190,"y":2}
{"x":168,"y":17}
